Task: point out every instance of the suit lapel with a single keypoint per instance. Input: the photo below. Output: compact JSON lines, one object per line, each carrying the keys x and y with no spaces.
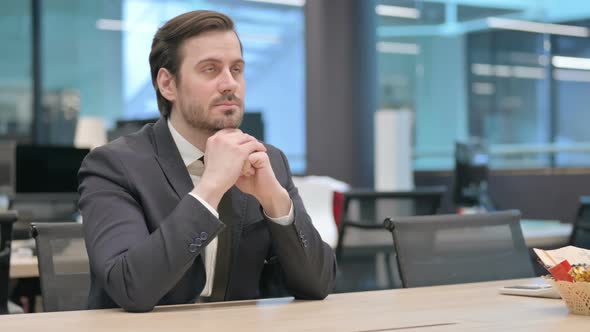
{"x":169,"y":159}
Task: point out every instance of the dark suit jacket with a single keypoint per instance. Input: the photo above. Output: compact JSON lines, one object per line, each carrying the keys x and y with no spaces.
{"x":144,"y":233}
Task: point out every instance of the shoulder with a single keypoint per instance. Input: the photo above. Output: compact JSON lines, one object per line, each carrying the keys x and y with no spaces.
{"x":130,"y":146}
{"x":121,"y":153}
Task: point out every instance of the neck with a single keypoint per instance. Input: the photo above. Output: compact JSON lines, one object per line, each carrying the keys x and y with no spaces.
{"x":196,"y":137}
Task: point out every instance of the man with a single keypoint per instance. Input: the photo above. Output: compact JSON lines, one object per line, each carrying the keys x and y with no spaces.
{"x":191,"y":209}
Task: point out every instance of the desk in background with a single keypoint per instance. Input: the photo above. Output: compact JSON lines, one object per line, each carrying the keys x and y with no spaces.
{"x":545,"y":233}
{"x":465,"y":307}
{"x":23,"y":264}
{"x":23,"y":267}
{"x":536,"y":233}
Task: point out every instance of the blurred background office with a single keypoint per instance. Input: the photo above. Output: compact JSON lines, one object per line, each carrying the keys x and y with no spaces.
{"x":494,"y":90}
{"x":515,"y":74}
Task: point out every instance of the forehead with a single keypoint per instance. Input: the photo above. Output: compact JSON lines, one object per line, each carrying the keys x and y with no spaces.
{"x":223,"y":45}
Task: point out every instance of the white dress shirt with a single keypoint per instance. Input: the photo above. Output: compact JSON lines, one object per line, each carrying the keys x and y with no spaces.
{"x":191,"y":154}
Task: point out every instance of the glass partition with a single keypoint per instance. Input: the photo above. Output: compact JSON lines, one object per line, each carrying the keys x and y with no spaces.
{"x":510,"y":72}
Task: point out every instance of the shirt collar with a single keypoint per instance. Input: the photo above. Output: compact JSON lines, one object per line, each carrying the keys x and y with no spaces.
{"x":188,"y":152}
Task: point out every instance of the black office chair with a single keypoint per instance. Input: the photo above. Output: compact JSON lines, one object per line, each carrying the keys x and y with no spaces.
{"x":581,"y":233}
{"x":63,"y":265}
{"x":362,"y":213}
{"x":450,"y":249}
{"x":6,"y":221}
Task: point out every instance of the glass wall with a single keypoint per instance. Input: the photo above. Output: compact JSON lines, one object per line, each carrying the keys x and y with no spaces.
{"x":95,"y":64}
{"x":81,"y":66}
{"x":515,"y":73}
{"x":15,"y":67}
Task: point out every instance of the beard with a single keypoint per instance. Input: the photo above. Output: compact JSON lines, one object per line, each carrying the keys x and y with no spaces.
{"x":198,"y":117}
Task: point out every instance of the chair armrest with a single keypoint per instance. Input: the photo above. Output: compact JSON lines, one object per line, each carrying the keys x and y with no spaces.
{"x":8,"y":217}
{"x":361,"y":224}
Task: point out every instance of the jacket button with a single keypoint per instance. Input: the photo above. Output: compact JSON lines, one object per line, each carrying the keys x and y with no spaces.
{"x":193,"y":248}
{"x":204,"y":236}
{"x":198,"y":242}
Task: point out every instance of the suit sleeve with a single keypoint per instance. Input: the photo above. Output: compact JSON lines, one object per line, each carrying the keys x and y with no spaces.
{"x":136,"y":267}
{"x":308,"y":263}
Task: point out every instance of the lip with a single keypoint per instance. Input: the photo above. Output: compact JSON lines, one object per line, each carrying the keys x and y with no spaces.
{"x":227,"y":103}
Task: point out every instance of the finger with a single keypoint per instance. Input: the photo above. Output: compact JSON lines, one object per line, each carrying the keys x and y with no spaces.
{"x":246,"y":168}
{"x":237,"y":138}
{"x":251,"y":147}
{"x":231,"y":135}
{"x":227,"y":131}
{"x":258,"y":159}
{"x":245,"y":138}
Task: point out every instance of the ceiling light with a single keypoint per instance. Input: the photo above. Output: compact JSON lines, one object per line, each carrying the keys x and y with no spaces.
{"x":397,"y":11}
{"x":120,"y":25}
{"x":554,"y":29}
{"x":570,"y":62}
{"x":398,"y":48}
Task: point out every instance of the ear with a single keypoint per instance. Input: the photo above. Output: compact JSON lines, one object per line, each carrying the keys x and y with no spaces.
{"x":166,"y":84}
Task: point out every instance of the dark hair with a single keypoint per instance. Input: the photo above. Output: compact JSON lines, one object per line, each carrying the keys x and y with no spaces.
{"x":169,"y":38}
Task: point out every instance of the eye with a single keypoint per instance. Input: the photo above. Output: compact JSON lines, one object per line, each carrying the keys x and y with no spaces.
{"x":210,"y":69}
{"x":237,"y":69}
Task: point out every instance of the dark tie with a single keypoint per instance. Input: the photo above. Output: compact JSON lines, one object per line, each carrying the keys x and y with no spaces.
{"x":222,"y":256}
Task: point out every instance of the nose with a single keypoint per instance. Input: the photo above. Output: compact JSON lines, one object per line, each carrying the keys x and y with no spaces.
{"x":227,"y":82}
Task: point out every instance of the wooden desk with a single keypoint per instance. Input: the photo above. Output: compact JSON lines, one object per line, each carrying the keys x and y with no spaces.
{"x":467,"y":307}
{"x":23,"y":267}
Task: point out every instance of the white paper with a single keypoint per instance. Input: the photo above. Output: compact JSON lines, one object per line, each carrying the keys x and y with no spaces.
{"x":573,"y":255}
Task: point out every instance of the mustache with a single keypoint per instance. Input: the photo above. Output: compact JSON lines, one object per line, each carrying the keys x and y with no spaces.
{"x":227,"y":98}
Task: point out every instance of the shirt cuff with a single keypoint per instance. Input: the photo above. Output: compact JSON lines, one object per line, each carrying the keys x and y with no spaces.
{"x":283,"y":221}
{"x":205,"y":204}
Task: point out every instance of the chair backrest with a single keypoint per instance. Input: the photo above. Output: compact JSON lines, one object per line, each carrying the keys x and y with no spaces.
{"x":7,"y":218}
{"x":449,"y":249}
{"x":364,"y":247}
{"x":581,"y":233}
{"x":63,"y":265}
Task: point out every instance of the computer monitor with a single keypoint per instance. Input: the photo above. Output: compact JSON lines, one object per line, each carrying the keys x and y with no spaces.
{"x":471,"y":175}
{"x":47,"y":169}
{"x":126,"y":127}
{"x":253,"y":124}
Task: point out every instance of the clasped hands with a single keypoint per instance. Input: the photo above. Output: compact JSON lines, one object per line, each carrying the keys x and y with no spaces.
{"x":235,"y":158}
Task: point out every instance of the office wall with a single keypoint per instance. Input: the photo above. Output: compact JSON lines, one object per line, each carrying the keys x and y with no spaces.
{"x":540,"y":194}
{"x":341,"y":89}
